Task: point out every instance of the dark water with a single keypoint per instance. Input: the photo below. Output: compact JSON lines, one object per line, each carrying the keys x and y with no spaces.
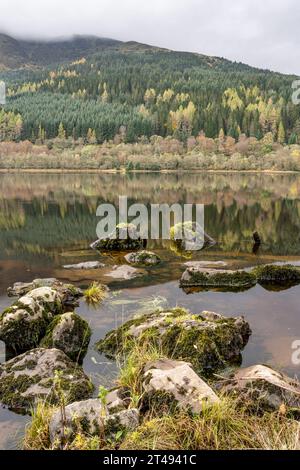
{"x":48,"y":220}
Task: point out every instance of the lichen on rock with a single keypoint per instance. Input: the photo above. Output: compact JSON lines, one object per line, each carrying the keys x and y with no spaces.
{"x":209,"y":341}
{"x":91,"y":418}
{"x":261,"y":388}
{"x":69,"y":333}
{"x":31,"y":377}
{"x":178,"y":383}
{"x":69,"y":293}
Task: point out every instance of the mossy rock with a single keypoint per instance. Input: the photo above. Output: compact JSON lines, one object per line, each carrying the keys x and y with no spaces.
{"x":277,"y":275}
{"x":201,"y":277}
{"x":31,"y":377}
{"x":69,"y":333}
{"x":125,"y":238}
{"x":190,"y":236}
{"x":208,"y":341}
{"x":68,"y":292}
{"x":90,"y":418}
{"x":24,"y":323}
{"x":262,"y":389}
{"x":170,"y":385}
{"x":143,"y":258}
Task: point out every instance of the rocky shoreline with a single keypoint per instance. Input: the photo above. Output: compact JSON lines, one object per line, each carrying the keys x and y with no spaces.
{"x":171,"y":362}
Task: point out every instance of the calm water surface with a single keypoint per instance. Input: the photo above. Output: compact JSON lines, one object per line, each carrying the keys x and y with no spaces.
{"x":48,"y":220}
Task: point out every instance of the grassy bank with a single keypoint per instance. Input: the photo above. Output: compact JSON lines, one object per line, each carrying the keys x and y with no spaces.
{"x":227,"y":425}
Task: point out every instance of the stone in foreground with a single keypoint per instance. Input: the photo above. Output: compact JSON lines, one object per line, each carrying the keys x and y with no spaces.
{"x":208,"y":340}
{"x":125,"y":238}
{"x":69,"y":293}
{"x":31,"y":377}
{"x":196,"y":276}
{"x":24,"y":323}
{"x":85,"y":266}
{"x":143,"y":258}
{"x":69,"y":333}
{"x":173,"y":383}
{"x":263,"y":389}
{"x":92,"y":418}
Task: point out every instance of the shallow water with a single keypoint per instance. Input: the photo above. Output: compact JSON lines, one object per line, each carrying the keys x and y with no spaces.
{"x":48,"y":220}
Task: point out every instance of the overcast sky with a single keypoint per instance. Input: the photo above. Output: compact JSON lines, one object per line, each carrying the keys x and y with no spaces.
{"x":264,"y":33}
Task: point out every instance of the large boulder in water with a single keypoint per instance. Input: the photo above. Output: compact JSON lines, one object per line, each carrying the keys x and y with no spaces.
{"x":190,"y":236}
{"x":31,"y":377}
{"x":169,"y":384}
{"x":209,"y":341}
{"x":125,"y":238}
{"x":197,"y":276}
{"x":277,"y":275}
{"x":24,"y":323}
{"x":263,"y":389}
{"x":69,"y":333}
{"x":68,"y":292}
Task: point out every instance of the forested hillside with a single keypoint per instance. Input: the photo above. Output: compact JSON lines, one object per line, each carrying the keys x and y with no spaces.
{"x":126,"y":91}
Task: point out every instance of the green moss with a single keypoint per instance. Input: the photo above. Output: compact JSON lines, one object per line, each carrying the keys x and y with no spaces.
{"x":209,"y":346}
{"x":235,"y":279}
{"x":21,"y":335}
{"x":73,"y":341}
{"x":158,"y":403}
{"x":16,"y":379}
{"x":121,"y":244}
{"x":281,"y":275}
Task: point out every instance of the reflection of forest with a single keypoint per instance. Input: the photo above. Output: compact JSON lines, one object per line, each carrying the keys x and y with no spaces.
{"x":41,"y":212}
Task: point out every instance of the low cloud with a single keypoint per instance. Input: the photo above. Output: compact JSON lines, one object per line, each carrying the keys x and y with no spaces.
{"x":263,"y":34}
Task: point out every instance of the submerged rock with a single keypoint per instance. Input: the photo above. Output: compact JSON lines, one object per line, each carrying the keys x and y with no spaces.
{"x":124,"y":272}
{"x":69,"y":333}
{"x":143,"y":258}
{"x":125,"y":238}
{"x":196,"y":276}
{"x":69,"y":293}
{"x":92,"y":418}
{"x":205,"y":264}
{"x":208,"y":340}
{"x":86,"y":265}
{"x":277,"y":275}
{"x":168,"y":384}
{"x":190,"y":236}
{"x":24,"y":323}
{"x":31,"y":377}
{"x":263,"y":389}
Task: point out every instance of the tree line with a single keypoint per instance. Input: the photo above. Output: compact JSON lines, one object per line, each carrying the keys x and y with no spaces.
{"x":127,"y":95}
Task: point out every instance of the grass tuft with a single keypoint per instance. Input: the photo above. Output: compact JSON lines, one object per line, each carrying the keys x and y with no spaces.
{"x":95,"y":293}
{"x":37,"y":431}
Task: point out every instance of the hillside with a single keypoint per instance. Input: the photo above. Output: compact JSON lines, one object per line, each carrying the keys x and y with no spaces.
{"x":99,"y":89}
{"x":16,"y":53}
